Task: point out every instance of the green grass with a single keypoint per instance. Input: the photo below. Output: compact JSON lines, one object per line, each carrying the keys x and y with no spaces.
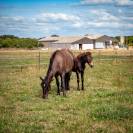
{"x":105,"y":106}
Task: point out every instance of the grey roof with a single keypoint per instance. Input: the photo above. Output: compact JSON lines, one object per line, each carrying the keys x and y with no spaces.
{"x":76,"y":39}
{"x":46,"y":39}
{"x":68,"y":39}
{"x":91,"y":36}
{"x":61,"y":39}
{"x":83,"y":40}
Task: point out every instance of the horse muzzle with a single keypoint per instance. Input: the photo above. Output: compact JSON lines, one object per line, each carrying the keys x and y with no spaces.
{"x":91,"y":64}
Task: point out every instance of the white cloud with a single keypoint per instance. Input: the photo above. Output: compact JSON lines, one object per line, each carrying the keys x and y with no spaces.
{"x":95,"y":1}
{"x":120,"y":11}
{"x":54,"y":17}
{"x":59,"y":20}
{"x":78,"y":24}
{"x":12,"y":23}
{"x":116,"y":2}
{"x":104,"y":19}
{"x":13,"y":19}
{"x":124,"y":2}
{"x":108,"y":25}
{"x":48,"y":23}
{"x":22,"y":24}
{"x":127,"y":18}
{"x":104,"y":15}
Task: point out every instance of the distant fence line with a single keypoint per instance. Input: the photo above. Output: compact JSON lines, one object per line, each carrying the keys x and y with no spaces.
{"x":40,"y":56}
{"x":22,"y":66}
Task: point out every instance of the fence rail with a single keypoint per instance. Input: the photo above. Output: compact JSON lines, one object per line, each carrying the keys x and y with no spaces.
{"x":39,"y":58}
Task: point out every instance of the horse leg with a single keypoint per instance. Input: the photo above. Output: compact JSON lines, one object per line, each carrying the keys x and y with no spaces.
{"x":58,"y":84}
{"x":77,"y":80}
{"x":67,"y":79}
{"x":82,"y":78}
{"x":63,"y":83}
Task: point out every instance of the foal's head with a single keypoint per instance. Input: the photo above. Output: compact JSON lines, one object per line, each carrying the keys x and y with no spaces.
{"x":88,"y":59}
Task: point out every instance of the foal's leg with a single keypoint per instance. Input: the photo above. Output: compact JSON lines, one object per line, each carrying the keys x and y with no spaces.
{"x":77,"y":80}
{"x":58,"y":84}
{"x":82,"y":79}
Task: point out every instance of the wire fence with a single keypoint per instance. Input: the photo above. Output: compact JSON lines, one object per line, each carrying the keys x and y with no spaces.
{"x":38,"y":59}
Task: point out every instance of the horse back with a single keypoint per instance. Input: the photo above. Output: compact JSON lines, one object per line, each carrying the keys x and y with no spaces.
{"x":63,"y":61}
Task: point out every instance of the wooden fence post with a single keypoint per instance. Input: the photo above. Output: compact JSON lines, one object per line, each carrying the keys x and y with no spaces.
{"x":21,"y":68}
{"x":130,"y":53}
{"x":39,"y":60}
{"x":99,"y":53}
{"x":116,"y":55}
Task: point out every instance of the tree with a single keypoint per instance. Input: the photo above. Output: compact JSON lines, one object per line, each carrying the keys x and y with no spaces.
{"x":130,"y":40}
{"x":11,"y":41}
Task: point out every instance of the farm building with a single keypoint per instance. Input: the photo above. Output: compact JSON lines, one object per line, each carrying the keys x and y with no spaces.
{"x":77,"y":42}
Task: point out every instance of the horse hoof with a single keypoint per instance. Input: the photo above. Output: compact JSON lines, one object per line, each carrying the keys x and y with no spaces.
{"x":45,"y":97}
{"x":64,"y":94}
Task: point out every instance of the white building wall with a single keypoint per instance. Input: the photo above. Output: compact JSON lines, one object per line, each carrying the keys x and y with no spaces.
{"x":59,"y":46}
{"x":72,"y":46}
{"x":84,"y":46}
{"x":87,"y":46}
{"x":122,"y":39}
{"x":75,"y":46}
{"x":55,"y":46}
{"x":100,"y":45}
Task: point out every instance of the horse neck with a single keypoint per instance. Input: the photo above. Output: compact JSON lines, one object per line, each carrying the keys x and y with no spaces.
{"x":49,"y":72}
{"x":48,"y":77}
{"x":79,"y":64}
{"x":82,"y":64}
{"x":83,"y":60}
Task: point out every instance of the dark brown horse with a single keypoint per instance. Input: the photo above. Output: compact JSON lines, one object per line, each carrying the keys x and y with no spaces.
{"x":61,"y":64}
{"x":79,"y":65}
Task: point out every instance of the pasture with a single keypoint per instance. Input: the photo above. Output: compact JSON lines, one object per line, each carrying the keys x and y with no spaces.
{"x":105,"y":106}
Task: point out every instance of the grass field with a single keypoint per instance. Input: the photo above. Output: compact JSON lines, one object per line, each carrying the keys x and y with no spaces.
{"x":105,"y":106}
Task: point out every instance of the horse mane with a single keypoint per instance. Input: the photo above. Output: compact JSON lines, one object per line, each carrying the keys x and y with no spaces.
{"x":84,"y":54}
{"x":51,"y":61}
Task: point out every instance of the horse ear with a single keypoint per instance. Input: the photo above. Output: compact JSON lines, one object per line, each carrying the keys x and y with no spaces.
{"x":41,"y":78}
{"x":88,"y":53}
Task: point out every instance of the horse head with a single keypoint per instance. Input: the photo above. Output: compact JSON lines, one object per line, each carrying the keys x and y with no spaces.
{"x":89,"y":59}
{"x":44,"y":87}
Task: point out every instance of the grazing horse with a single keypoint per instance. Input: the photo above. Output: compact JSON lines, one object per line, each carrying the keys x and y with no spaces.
{"x":61,"y":64}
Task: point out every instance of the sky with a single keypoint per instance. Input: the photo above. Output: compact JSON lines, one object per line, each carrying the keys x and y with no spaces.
{"x":41,"y":18}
